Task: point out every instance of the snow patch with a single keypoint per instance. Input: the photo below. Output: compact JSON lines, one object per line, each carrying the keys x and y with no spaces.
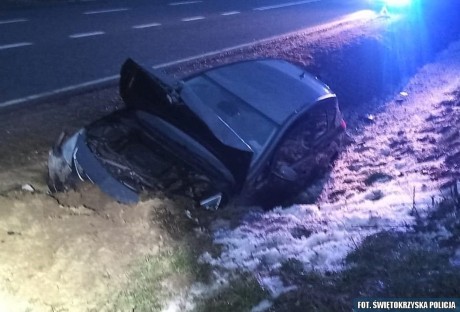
{"x":264,"y":240}
{"x":264,"y":305}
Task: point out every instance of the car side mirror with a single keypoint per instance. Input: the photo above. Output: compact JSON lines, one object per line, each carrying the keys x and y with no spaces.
{"x":285,"y":172}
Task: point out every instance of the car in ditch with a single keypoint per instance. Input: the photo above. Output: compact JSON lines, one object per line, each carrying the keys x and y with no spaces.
{"x":258,"y":130}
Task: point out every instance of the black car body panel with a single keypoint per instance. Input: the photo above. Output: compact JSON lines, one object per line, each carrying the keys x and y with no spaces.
{"x":222,"y":129}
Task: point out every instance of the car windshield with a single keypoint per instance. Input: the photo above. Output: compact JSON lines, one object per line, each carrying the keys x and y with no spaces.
{"x":251,"y":125}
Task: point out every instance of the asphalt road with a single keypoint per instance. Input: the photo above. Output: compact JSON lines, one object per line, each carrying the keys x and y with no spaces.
{"x":63,"y":47}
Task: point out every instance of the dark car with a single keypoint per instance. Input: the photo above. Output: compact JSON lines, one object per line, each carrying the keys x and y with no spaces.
{"x":261,"y":129}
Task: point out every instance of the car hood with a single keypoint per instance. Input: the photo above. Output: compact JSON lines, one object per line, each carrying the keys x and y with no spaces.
{"x":151,"y":91}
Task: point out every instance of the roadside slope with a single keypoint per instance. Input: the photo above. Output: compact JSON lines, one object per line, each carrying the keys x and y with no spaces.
{"x":349,"y":56}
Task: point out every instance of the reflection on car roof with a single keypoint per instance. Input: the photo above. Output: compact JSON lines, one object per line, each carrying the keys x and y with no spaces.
{"x":276,"y":88}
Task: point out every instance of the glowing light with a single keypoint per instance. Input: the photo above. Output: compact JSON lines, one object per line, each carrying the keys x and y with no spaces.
{"x":397,"y":3}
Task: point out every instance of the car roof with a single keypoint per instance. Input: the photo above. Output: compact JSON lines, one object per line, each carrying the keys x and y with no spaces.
{"x":274,"y":87}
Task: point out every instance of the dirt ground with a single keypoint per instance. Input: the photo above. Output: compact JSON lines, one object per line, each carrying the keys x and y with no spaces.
{"x":74,"y":251}
{"x":63,"y":258}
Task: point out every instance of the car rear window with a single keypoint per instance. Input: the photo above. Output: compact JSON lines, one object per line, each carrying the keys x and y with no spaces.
{"x":319,"y":122}
{"x":299,"y":142}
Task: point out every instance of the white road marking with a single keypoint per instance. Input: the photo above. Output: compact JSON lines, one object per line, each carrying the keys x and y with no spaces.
{"x":16,"y":20}
{"x":57,"y":91}
{"x":106,"y":11}
{"x":114,"y":78}
{"x":193,"y":18}
{"x":288,"y":4}
{"x":230,"y":13}
{"x":88,"y":34}
{"x":184,"y":2}
{"x":15,"y":45}
{"x":146,"y":25}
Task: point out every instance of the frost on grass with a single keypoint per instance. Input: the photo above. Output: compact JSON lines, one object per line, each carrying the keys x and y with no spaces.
{"x":320,"y":238}
{"x":385,"y":181}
